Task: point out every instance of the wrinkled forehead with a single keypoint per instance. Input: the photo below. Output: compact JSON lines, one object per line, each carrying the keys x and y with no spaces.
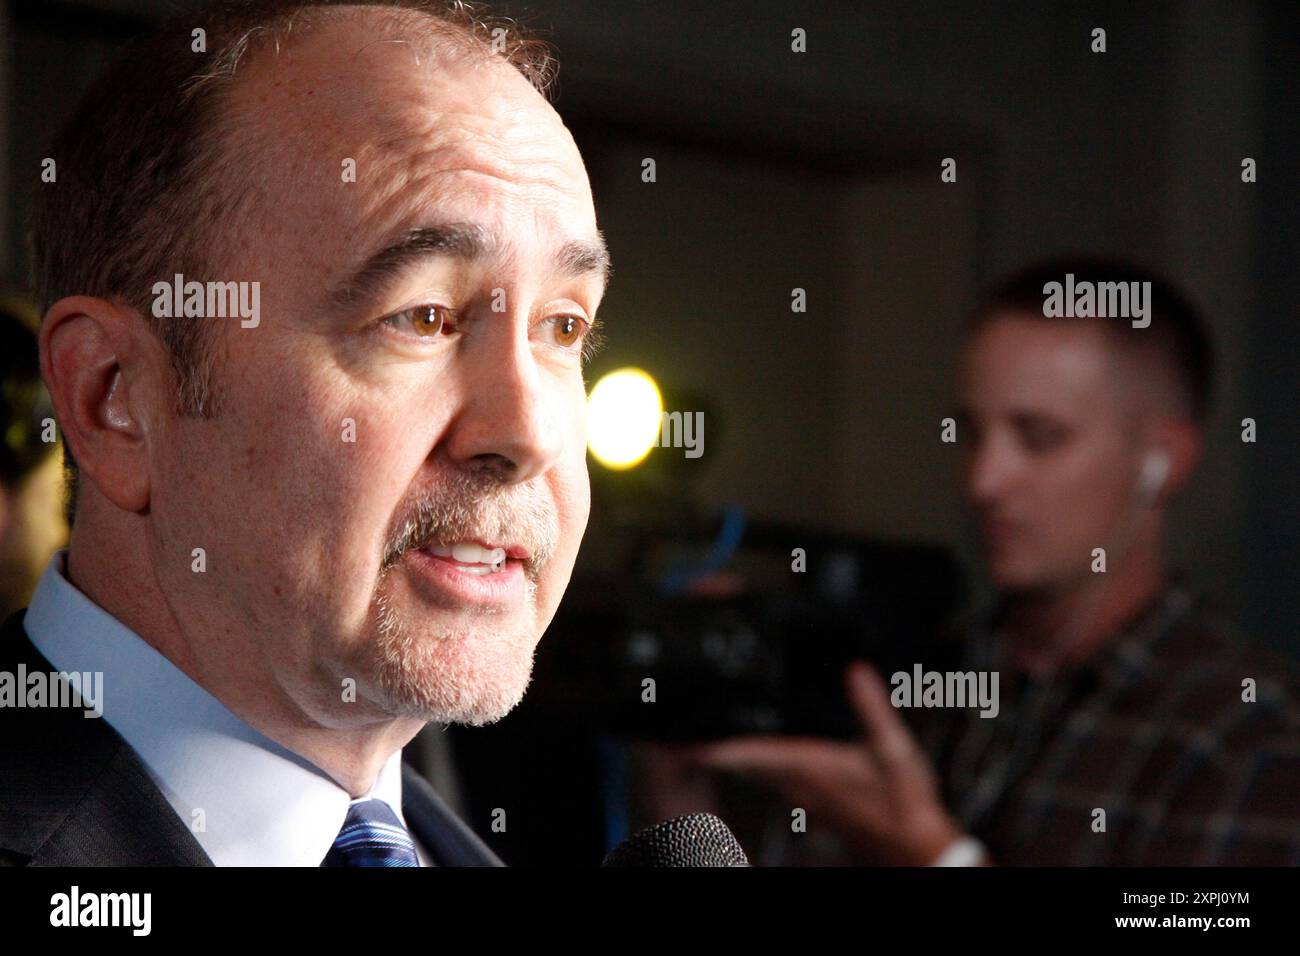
{"x":351,"y":132}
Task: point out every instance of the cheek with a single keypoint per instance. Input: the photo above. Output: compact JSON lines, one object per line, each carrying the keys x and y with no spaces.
{"x":352,"y":456}
{"x":319,"y":464}
{"x":1087,"y":506}
{"x":572,"y":490}
{"x":570,"y":483}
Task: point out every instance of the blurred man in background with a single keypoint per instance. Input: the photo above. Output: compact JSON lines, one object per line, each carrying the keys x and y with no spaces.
{"x":1132,"y":728}
{"x":32,"y":523}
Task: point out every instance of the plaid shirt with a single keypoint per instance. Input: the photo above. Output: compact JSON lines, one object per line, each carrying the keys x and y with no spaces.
{"x":1153,"y":730}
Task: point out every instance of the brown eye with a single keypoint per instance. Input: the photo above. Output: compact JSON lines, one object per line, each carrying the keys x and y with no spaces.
{"x":568,"y":330}
{"x":427,"y":320}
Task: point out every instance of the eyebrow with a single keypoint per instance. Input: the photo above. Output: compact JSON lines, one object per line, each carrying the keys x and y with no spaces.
{"x":466,"y":241}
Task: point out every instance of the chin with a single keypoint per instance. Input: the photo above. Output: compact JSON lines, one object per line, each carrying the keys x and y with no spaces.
{"x":471,"y":673}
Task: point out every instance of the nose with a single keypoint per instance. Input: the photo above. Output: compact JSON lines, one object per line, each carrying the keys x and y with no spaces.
{"x":507,"y":424}
{"x":989,"y":467}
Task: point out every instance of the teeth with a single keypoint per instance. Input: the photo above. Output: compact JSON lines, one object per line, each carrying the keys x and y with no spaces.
{"x":473,"y":554}
{"x":469,"y":553}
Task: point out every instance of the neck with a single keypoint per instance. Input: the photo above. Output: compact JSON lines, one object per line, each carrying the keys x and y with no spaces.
{"x":1068,"y":624}
{"x":120,"y":580}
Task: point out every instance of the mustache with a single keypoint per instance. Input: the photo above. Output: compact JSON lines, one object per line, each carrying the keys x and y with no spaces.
{"x":466,"y":506}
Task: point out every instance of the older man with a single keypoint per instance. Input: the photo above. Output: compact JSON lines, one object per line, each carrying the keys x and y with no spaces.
{"x":301,"y":535}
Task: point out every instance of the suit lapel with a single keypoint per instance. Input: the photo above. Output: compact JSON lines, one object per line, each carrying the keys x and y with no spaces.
{"x":123,"y":820}
{"x":449,"y":841}
{"x":74,"y":792}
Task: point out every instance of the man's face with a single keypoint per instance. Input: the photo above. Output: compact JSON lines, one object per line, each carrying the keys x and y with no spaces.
{"x":395,"y":488}
{"x":1049,"y":456}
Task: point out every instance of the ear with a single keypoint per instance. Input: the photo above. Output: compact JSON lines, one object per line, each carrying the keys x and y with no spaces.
{"x":1183,"y":442}
{"x":92,"y":362}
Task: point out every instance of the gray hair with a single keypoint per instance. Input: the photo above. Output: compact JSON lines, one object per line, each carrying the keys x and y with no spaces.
{"x":140,"y":162}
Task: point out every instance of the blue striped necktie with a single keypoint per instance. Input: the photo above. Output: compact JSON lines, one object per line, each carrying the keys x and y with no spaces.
{"x":372,"y":836}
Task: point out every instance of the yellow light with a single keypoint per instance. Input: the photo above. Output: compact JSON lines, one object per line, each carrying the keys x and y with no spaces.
{"x":624,"y":413}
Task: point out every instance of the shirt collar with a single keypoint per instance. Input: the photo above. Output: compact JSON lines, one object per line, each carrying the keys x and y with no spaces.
{"x":248,"y":800}
{"x":1127,"y":653}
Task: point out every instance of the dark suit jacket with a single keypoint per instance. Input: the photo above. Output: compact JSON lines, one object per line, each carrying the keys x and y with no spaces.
{"x":74,"y":793}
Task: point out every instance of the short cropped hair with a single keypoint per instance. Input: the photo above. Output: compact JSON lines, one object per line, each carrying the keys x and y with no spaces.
{"x":138,"y":196}
{"x":1177,"y":337}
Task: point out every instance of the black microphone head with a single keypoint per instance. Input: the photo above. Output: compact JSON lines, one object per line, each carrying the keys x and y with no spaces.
{"x":693,"y":839}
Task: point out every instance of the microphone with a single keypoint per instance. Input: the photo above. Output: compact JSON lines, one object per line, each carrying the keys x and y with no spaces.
{"x":693,"y":839}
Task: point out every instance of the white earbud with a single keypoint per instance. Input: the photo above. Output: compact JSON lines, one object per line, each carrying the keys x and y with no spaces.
{"x":1151,"y":480}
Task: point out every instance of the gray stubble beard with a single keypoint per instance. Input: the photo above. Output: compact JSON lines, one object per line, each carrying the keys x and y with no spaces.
{"x":425,"y":677}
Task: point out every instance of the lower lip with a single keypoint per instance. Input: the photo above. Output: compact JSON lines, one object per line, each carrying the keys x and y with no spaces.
{"x":506,"y":586}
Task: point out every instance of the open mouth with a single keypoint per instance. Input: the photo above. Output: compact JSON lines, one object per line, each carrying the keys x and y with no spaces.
{"x":476,"y":557}
{"x":471,"y":574}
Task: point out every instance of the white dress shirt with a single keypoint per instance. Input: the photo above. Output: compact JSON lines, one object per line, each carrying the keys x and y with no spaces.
{"x":247,"y":800}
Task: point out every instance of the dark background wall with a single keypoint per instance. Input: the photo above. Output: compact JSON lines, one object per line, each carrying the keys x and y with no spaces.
{"x":821,"y":171}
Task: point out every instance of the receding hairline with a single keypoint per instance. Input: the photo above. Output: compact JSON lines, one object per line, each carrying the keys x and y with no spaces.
{"x":414,"y":23}
{"x":453,"y":42}
{"x":148,"y":186}
{"x":244,"y":56}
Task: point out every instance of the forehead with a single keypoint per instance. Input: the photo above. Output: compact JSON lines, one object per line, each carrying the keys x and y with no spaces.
{"x":1028,"y":363}
{"x":432,"y":133}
